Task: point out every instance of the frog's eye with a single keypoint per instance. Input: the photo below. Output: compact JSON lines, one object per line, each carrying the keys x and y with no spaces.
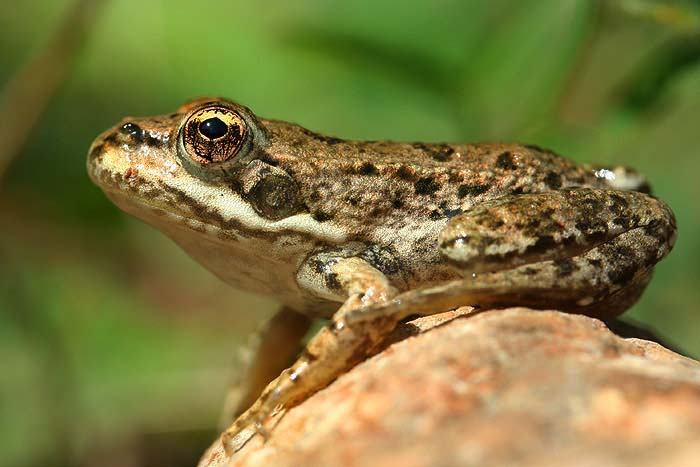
{"x":213,"y":134}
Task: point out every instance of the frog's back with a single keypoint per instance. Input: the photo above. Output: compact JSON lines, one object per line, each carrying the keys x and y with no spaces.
{"x":368,"y":182}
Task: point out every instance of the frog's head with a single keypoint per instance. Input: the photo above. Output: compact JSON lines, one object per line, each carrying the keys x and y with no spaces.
{"x":201,"y":168}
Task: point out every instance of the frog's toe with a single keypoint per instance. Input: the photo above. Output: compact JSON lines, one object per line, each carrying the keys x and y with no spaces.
{"x":234,"y":439}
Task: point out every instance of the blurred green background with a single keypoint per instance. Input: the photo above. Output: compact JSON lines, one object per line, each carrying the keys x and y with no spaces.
{"x":116,"y":346}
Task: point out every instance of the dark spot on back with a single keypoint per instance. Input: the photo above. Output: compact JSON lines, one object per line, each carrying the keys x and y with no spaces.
{"x":426,"y":186}
{"x":618,"y":204}
{"x":455,"y":177}
{"x":405,"y":173}
{"x":592,"y":206}
{"x":368,"y":169}
{"x":471,"y":190}
{"x":583,"y":225}
{"x":505,"y":161}
{"x":444,"y":154}
{"x":553,"y":180}
{"x":490,"y":222}
{"x":534,"y":222}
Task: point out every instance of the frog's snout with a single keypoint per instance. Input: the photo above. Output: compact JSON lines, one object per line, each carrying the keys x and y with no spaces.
{"x":97,"y":148}
{"x":126,"y":136}
{"x":108,"y":149}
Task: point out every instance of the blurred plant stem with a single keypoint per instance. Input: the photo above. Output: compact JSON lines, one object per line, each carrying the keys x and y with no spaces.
{"x":27,"y":94}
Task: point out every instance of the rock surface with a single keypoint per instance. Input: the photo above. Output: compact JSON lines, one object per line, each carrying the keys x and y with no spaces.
{"x":507,"y":387}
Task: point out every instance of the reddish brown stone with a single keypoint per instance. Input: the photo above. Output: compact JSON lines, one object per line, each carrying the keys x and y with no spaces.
{"x":509,"y":387}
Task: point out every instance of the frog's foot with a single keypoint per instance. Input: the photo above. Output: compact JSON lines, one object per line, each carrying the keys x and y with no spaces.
{"x":274,"y":348}
{"x":336,"y":348}
{"x":580,"y":258}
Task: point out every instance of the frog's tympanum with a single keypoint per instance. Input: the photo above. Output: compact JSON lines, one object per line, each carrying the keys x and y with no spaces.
{"x":368,"y":233}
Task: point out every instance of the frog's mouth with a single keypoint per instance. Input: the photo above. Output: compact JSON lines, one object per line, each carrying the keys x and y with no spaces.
{"x":168,"y":208}
{"x":164,"y":218}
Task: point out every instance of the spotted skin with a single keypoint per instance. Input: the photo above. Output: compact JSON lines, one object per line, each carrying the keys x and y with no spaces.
{"x":369,"y":232}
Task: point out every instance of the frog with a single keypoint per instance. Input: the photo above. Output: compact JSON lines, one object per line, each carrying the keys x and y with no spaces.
{"x":368,"y":234}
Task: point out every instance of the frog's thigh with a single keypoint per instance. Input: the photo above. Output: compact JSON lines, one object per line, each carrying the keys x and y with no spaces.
{"x":594,"y":255}
{"x":274,"y":348}
{"x":530,"y":228}
{"x":336,"y":348}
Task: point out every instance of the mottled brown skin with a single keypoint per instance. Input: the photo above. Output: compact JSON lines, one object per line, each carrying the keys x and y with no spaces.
{"x":349,"y":179}
{"x":387,"y":229}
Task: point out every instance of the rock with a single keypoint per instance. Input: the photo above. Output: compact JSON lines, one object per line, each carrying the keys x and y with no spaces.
{"x":504,"y":387}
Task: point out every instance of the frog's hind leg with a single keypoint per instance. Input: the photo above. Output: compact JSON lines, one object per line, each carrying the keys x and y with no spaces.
{"x":560,"y":284}
{"x":589,"y":251}
{"x":333,"y":350}
{"x":275,"y":347}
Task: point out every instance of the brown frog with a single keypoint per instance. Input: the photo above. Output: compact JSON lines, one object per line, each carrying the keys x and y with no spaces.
{"x":367,"y":233}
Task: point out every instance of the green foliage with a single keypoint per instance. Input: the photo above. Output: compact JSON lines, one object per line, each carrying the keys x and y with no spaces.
{"x":105,"y":326}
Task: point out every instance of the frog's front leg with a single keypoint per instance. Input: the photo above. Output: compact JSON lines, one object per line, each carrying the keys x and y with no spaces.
{"x":274,"y":348}
{"x":588,"y":251}
{"x":336,"y":348}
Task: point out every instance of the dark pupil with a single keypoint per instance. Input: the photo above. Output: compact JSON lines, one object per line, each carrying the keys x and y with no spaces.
{"x":213,"y":128}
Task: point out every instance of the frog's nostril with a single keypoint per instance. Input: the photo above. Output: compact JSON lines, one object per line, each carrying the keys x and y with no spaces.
{"x":132,"y":130}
